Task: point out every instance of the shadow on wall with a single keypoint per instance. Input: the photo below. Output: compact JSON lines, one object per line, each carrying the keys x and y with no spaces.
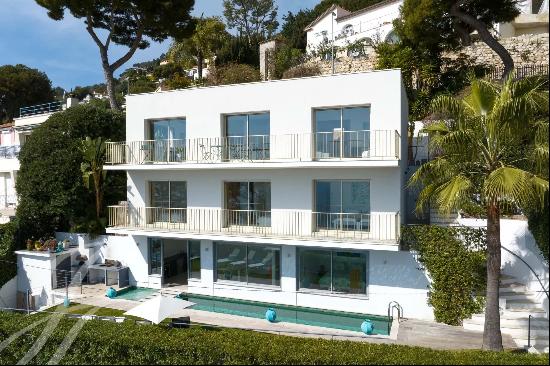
{"x":397,"y":269}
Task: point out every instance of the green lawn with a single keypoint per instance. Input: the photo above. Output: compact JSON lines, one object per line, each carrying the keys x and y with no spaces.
{"x":101,"y":342}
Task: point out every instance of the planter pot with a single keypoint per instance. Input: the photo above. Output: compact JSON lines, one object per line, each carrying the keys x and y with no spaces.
{"x":271,"y":315}
{"x":367,"y":327}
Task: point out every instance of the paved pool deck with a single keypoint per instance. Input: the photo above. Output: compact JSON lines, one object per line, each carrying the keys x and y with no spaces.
{"x":409,"y":332}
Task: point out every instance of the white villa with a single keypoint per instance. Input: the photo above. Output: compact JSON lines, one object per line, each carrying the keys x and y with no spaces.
{"x":374,"y":23}
{"x":12,"y":137}
{"x":269,"y":198}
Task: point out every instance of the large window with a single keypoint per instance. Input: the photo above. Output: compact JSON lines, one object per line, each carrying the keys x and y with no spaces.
{"x":194,"y":257}
{"x":342,"y":132}
{"x":247,"y":136}
{"x":248,"y":263}
{"x":168,"y":140}
{"x":248,"y":203}
{"x":168,"y":201}
{"x":334,"y":271}
{"x":342,"y":204}
{"x":155,"y":256}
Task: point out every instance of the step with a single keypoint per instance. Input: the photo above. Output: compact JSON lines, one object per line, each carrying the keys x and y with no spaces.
{"x":522,"y":305}
{"x":527,"y":296}
{"x":507,"y":280}
{"x":514,"y":332}
{"x":520,"y":313}
{"x":536,"y":323}
{"x":537,"y":342}
{"x":512,"y":287}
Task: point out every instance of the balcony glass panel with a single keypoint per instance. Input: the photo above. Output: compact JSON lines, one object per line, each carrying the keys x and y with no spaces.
{"x":168,"y":202}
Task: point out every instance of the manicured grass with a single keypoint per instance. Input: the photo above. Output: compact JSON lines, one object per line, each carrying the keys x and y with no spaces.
{"x":101,"y":342}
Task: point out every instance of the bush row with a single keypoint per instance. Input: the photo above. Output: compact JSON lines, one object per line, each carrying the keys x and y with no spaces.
{"x":101,"y":342}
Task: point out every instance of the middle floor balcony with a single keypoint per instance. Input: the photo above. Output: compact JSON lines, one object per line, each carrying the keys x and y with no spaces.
{"x":304,"y":225}
{"x":338,"y":145}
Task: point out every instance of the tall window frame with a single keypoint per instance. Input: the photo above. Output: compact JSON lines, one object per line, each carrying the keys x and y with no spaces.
{"x":166,"y":211}
{"x":252,"y":141}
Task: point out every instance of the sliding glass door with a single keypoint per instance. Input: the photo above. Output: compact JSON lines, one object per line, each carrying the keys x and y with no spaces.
{"x":168,"y":202}
{"x":168,"y":143}
{"x":248,"y":203}
{"x":342,"y":132}
{"x":342,"y":204}
{"x":247,"y":136}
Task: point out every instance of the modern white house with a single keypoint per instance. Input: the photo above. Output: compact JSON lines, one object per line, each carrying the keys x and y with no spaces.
{"x":285,"y":192}
{"x":374,"y":24}
{"x":12,"y":136}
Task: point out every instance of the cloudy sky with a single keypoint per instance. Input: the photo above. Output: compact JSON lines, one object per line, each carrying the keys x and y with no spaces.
{"x":65,"y":51}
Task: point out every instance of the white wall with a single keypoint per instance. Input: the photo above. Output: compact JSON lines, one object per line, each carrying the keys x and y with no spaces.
{"x":289,"y":102}
{"x":34,"y":273}
{"x":8,"y":294}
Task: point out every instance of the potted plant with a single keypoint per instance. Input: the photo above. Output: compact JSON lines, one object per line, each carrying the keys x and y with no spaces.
{"x":30,"y":245}
{"x":37,"y":245}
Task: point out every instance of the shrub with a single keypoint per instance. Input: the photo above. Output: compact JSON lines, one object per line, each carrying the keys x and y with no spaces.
{"x":302,"y":71}
{"x":8,"y":268}
{"x":539,"y":222}
{"x":101,"y":342}
{"x":233,"y":74}
{"x":52,"y":196}
{"x":455,"y":260}
{"x":285,"y":57}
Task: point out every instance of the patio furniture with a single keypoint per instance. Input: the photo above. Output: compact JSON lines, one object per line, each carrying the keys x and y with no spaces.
{"x":181,"y":322}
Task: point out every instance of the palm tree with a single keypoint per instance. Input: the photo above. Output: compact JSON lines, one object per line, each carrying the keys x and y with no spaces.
{"x":491,"y":148}
{"x":93,"y":153}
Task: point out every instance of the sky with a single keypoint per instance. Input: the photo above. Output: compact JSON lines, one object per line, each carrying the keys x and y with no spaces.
{"x":65,"y":51}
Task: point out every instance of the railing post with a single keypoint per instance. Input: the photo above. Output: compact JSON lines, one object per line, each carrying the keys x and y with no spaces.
{"x":529,"y":331}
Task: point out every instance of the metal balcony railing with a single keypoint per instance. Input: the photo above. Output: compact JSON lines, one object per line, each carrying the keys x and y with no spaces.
{"x":9,"y":152}
{"x":40,"y":109}
{"x":303,"y":225}
{"x":337,"y":144}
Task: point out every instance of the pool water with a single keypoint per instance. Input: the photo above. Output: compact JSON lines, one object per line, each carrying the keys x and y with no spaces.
{"x":291,"y":314}
{"x":135,"y":293}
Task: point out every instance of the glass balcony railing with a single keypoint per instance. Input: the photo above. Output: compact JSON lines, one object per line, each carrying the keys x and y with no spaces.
{"x":300,"y":224}
{"x":373,"y":145}
{"x":9,"y":152}
{"x":40,"y":109}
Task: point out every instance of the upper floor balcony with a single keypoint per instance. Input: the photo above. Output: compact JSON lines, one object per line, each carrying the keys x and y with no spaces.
{"x":9,"y":151}
{"x":302,"y":225}
{"x":45,"y":108}
{"x":367,"y":145}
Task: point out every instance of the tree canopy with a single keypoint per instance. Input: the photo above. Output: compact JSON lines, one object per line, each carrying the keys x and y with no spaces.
{"x":52,"y":194}
{"x":21,"y":86}
{"x":447,"y":24}
{"x":130,"y":23}
{"x":254,"y":19}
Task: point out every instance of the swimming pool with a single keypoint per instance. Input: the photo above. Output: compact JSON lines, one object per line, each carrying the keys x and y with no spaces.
{"x":135,"y":293}
{"x":286,"y":313}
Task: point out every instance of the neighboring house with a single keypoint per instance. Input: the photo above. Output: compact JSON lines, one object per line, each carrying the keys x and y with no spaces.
{"x":12,"y":137}
{"x":282,"y":191}
{"x":374,"y":24}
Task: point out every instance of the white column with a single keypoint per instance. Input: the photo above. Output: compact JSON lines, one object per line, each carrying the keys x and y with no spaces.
{"x":288,"y":269}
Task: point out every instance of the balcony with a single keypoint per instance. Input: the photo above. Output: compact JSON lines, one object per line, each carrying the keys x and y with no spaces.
{"x":276,"y":224}
{"x":322,"y":146}
{"x":40,"y":109}
{"x":9,"y":152}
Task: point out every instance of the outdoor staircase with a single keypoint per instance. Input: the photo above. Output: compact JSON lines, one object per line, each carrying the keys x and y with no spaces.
{"x":514,"y":318}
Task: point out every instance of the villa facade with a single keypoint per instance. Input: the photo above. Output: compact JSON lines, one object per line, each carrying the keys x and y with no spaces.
{"x":284,"y":192}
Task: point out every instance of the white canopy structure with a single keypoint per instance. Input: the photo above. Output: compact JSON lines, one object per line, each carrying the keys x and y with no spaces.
{"x":159,"y":308}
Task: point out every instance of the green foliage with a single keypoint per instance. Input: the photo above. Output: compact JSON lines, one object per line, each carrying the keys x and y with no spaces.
{"x":21,"y":86}
{"x":285,"y":58}
{"x":237,"y":50}
{"x":101,"y":342}
{"x":8,"y":268}
{"x":52,"y":195}
{"x":234,"y":74}
{"x":254,"y":19}
{"x":302,"y":71}
{"x":454,"y":258}
{"x":539,"y":225}
{"x":293,"y":29}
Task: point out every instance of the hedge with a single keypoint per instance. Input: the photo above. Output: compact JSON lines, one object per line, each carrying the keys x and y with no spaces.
{"x":101,"y":342}
{"x":8,"y":268}
{"x":455,"y":260}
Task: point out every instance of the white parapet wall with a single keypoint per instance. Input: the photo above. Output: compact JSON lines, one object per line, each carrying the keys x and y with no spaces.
{"x":8,"y":294}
